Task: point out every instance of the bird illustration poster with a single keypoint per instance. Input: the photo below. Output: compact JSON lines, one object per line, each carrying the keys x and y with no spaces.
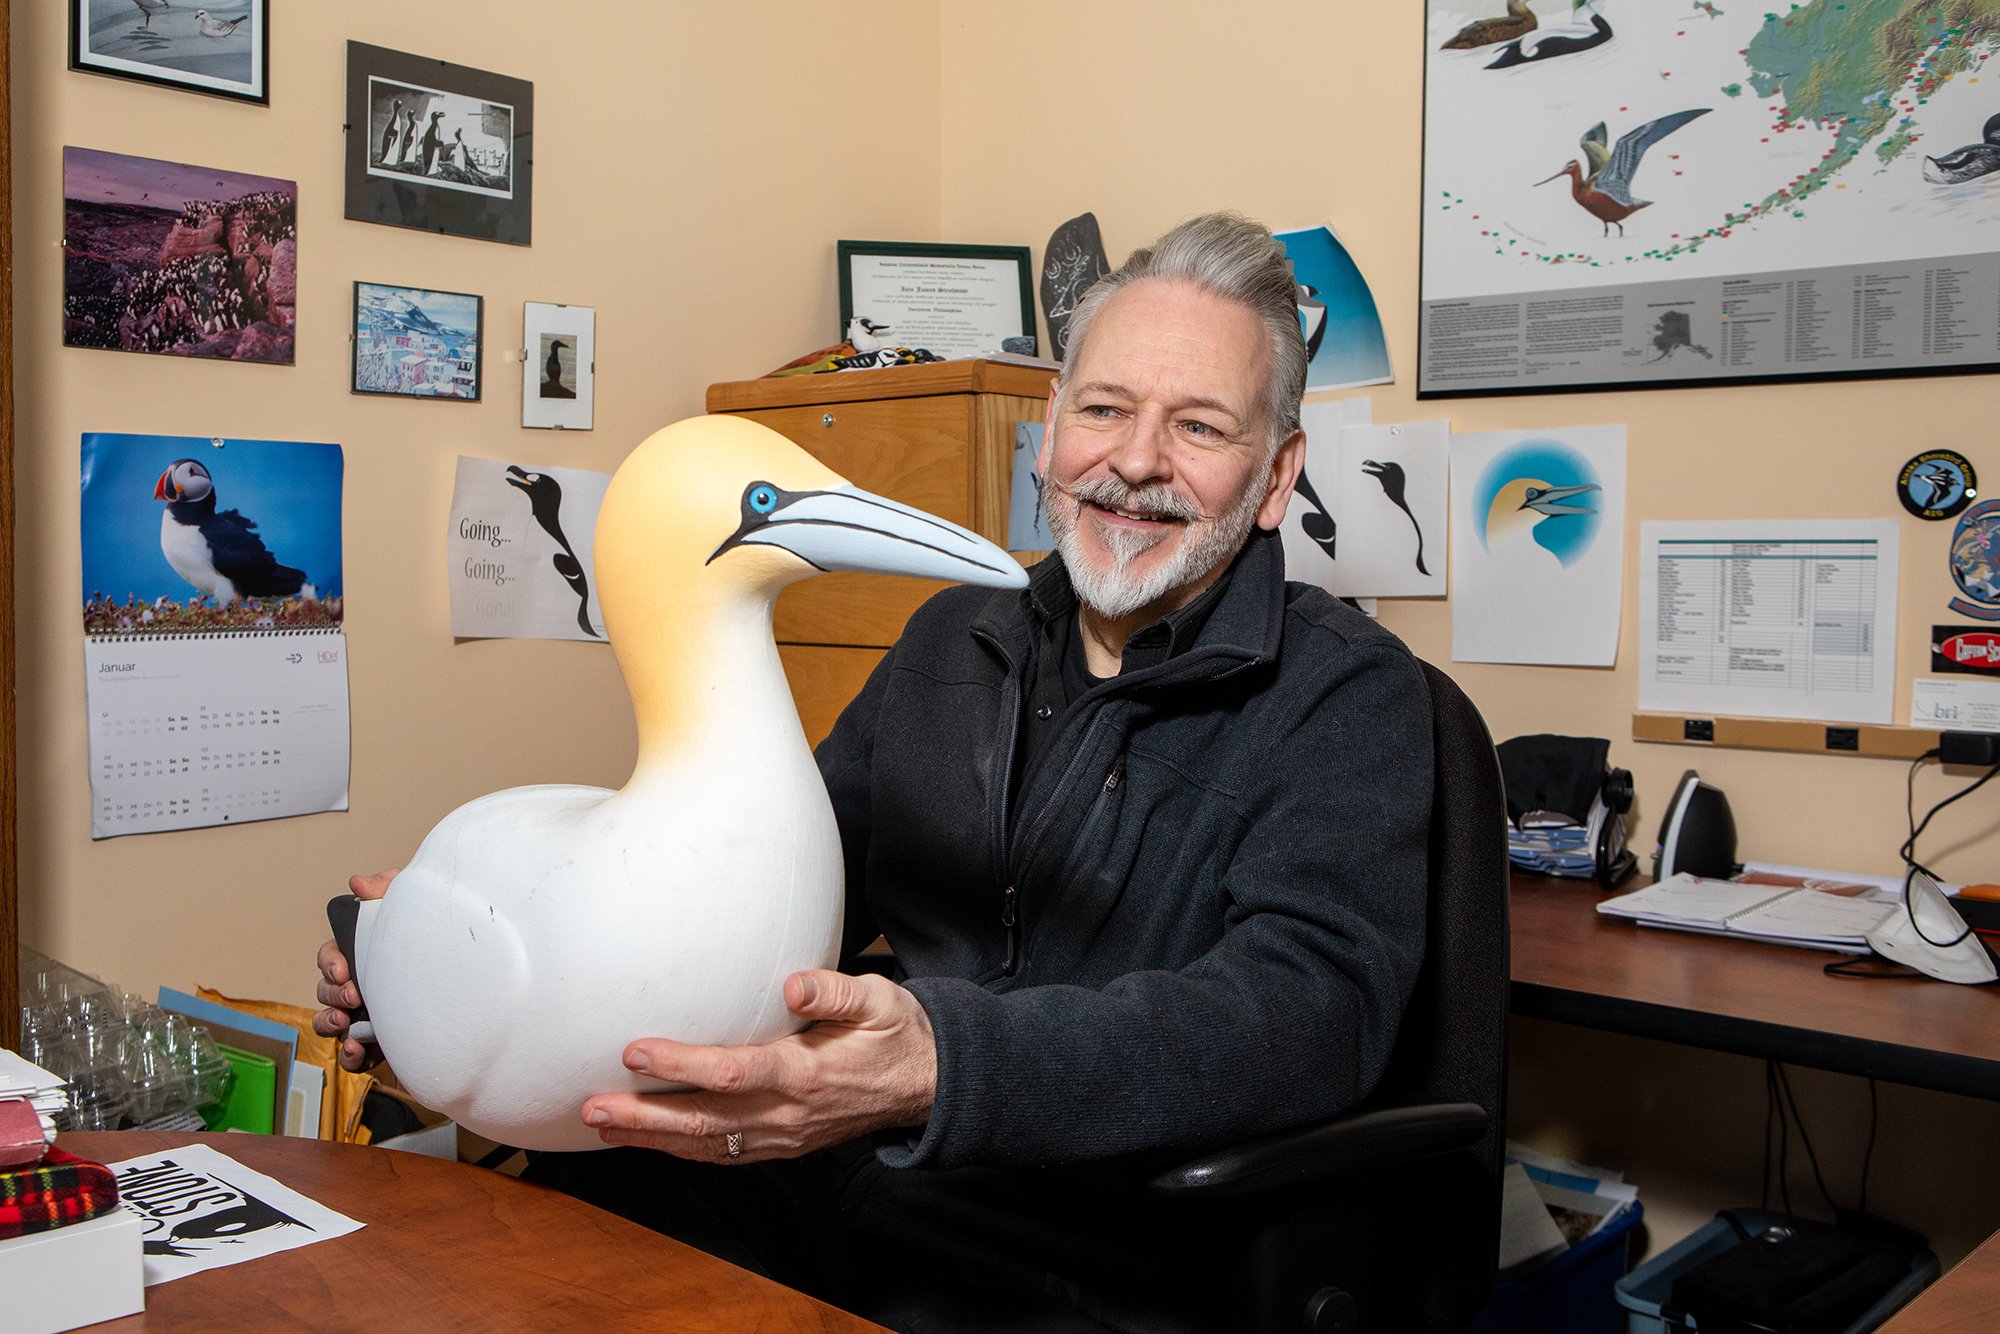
{"x":520,"y":553}
{"x":1628,"y":195}
{"x":212,"y":601}
{"x":221,"y":50}
{"x":1027,"y":522}
{"x":201,"y":1209}
{"x":1344,"y":342}
{"x":559,"y":371}
{"x":178,"y":260}
{"x":1538,"y":551}
{"x":1310,"y":534}
{"x":1390,"y":495}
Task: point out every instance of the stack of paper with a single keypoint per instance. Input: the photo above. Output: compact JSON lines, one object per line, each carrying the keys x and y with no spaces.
{"x":20,"y":1078}
{"x":1838,"y":918}
{"x":1550,"y":844}
{"x":1550,"y":1204}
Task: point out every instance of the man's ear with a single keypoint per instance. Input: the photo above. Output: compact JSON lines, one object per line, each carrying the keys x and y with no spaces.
{"x":1286,"y":465}
{"x":1048,"y":432}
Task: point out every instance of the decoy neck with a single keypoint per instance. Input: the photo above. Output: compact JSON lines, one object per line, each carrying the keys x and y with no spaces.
{"x":702,"y":527}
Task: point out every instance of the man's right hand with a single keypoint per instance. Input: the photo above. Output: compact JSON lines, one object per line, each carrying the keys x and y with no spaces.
{"x":337,"y":988}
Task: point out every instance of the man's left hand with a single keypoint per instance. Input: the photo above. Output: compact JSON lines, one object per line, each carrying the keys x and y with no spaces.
{"x":868,"y":1062}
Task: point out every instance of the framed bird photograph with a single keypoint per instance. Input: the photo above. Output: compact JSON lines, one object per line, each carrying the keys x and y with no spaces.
{"x":438,"y":147}
{"x":559,"y":374}
{"x":178,"y":259}
{"x":411,"y":342}
{"x":1647,"y":196}
{"x":223,"y":50}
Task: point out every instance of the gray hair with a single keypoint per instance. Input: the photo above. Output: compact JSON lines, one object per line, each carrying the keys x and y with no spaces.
{"x":1230,"y":256}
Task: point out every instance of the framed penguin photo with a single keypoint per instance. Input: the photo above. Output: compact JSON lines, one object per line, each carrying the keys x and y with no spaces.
{"x":439,"y":147}
{"x":559,"y":366}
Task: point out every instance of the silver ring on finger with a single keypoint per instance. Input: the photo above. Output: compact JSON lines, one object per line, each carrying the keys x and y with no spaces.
{"x":733,"y":1142}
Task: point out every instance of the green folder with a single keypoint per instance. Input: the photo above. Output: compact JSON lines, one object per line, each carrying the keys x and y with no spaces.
{"x":251,"y":1101}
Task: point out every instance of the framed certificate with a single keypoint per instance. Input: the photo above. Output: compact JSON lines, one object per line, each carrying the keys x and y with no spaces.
{"x":954,"y":300}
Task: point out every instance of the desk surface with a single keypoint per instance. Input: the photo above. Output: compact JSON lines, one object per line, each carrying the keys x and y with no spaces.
{"x":449,"y":1246}
{"x":1964,"y":1301}
{"x":1573,"y":964}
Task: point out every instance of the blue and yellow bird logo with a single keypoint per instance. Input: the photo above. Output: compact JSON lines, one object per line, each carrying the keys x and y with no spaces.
{"x":1539,"y":494}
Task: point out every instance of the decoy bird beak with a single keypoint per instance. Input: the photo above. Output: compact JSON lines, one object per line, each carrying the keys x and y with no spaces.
{"x":1555,"y":500}
{"x":846,"y":528}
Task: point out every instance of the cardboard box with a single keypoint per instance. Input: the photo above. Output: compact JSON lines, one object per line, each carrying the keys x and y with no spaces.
{"x":73,"y":1276}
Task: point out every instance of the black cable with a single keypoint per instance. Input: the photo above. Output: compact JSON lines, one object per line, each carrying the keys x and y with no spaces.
{"x":1770,"y":1114}
{"x":1868,"y":1153}
{"x":1909,"y":849}
{"x":1784,"y":1138}
{"x":1785,"y":1086}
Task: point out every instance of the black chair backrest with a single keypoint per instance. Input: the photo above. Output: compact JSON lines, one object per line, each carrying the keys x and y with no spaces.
{"x":1452,"y":1046}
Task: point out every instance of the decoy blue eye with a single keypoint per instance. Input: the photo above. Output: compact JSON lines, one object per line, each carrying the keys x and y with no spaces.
{"x":763,"y":498}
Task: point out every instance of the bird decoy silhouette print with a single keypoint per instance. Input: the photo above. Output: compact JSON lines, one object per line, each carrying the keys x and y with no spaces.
{"x":545,"y":503}
{"x":1390,"y":475}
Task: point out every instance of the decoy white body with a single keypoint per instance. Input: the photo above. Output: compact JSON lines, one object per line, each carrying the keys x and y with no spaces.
{"x":540,"y":929}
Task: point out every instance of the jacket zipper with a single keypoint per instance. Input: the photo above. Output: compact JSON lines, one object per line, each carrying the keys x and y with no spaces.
{"x":1010,"y":915}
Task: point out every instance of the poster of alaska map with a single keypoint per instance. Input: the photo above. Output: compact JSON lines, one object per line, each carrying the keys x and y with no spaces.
{"x":1641,"y":193}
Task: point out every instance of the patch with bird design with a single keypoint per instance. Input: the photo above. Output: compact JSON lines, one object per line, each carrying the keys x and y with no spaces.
{"x":1937,"y":484}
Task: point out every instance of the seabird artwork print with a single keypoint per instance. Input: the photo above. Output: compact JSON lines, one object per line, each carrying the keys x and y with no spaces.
{"x":545,"y":503}
{"x":218,"y":552}
{"x":211,"y":27}
{"x":1390,"y":475}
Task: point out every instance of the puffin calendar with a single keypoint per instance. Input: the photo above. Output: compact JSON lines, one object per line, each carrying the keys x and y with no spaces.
{"x":215,"y":665}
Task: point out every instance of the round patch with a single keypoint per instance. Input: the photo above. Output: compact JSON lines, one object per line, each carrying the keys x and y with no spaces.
{"x":1937,"y":484}
{"x":1975,"y":562}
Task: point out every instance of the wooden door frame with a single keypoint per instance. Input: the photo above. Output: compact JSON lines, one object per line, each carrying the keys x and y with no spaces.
{"x":10,"y":861}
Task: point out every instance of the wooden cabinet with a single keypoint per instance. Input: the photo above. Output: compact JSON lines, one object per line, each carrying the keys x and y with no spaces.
{"x":940,"y":437}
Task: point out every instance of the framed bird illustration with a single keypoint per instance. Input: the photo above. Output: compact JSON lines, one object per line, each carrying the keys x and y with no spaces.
{"x":223,"y":50}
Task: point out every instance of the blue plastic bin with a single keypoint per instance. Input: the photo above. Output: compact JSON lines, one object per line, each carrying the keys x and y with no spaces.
{"x":1646,"y":1289}
{"x":1575,"y":1293}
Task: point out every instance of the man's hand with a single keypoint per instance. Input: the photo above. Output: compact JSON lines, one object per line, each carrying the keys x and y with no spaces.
{"x":868,"y":1062}
{"x":337,"y":989}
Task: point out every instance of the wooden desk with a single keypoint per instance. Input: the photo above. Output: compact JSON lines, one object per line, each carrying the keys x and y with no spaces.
{"x":449,"y":1246}
{"x":1576,"y":966}
{"x":1964,"y":1301}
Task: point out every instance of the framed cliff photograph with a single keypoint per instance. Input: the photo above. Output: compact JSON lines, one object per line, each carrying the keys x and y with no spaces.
{"x":223,"y":50}
{"x":438,"y":147}
{"x":178,"y":259}
{"x":559,"y":377}
{"x":411,"y":342}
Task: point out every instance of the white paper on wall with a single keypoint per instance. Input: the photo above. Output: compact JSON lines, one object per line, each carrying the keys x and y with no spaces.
{"x":1310,"y":524}
{"x":519,"y":553}
{"x":1538,"y":552}
{"x":1392,"y":492}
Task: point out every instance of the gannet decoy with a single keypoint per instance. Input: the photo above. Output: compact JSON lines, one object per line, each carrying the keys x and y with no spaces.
{"x":218,"y":27}
{"x":540,"y":929}
{"x":1522,"y":504}
{"x":1564,"y":39}
{"x":219,"y":553}
{"x":1485,"y":32}
{"x":545,"y":504}
{"x":1390,"y":475}
{"x":1970,"y":162}
{"x":1606,"y":193}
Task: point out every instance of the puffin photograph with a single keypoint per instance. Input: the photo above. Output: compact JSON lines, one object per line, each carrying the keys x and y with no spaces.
{"x":193,"y":533}
{"x":218,"y":551}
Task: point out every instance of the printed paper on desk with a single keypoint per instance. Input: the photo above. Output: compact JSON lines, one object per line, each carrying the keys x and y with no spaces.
{"x":519,"y":554}
{"x":1538,"y":553}
{"x":1964,"y":704}
{"x":1773,"y":618}
{"x":201,"y":1209}
{"x":1310,"y":531}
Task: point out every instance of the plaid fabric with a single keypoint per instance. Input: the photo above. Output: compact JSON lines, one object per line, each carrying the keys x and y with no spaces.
{"x":60,"y":1189}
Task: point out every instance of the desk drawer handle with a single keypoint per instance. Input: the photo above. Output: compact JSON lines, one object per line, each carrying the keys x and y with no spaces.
{"x":826,"y":419}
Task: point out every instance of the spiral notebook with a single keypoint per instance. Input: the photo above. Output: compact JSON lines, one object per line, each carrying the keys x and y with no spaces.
{"x":1814,"y":918}
{"x":215,"y":669}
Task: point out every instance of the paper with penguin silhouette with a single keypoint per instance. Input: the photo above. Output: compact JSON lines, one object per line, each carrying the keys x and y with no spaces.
{"x":1310,"y":532}
{"x":201,"y":1209}
{"x":519,"y":551}
{"x":1388,"y":488}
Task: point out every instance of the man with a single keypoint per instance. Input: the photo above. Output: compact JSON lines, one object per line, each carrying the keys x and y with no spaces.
{"x":1148,"y":840}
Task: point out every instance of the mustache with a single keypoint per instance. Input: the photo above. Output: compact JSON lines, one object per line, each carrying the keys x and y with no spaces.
{"x":1154,"y":500}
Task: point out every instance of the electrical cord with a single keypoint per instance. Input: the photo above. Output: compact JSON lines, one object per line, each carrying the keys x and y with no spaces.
{"x":1781,"y":1110}
{"x":1908,"y":851}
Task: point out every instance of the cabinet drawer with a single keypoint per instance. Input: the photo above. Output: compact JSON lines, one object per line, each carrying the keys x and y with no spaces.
{"x":908,"y":449}
{"x":823,"y":680}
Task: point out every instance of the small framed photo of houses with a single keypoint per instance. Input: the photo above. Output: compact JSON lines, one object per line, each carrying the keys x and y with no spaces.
{"x":559,"y":377}
{"x":223,"y":50}
{"x":415,"y":343}
{"x":438,"y":147}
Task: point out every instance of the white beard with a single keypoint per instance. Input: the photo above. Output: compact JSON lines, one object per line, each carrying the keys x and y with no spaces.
{"x":1113,"y":593}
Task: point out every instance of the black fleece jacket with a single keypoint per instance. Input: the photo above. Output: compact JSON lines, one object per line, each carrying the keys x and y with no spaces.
{"x":1206,"y":919}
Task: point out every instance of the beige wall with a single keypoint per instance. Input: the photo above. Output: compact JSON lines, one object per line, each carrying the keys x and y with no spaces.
{"x":1302,"y":112}
{"x":694,"y":165}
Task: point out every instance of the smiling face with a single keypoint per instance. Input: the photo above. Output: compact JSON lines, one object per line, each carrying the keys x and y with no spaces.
{"x":1158,"y":457}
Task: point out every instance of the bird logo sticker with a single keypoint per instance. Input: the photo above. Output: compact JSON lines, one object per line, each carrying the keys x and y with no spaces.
{"x":1937,"y":484}
{"x":1539,"y":499}
{"x":1975,"y":562}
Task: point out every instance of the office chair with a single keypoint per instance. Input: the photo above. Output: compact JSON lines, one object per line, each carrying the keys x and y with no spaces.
{"x":1391,"y":1213}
